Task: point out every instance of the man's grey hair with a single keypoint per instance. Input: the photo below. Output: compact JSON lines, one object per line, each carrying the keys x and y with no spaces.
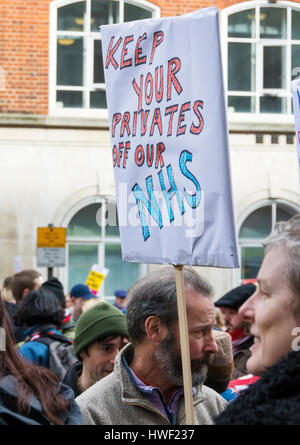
{"x":155,"y":295}
{"x":287,"y":236}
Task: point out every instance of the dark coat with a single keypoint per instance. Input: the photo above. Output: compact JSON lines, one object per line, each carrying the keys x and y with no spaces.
{"x":19,"y":331}
{"x":273,"y":400}
{"x":72,"y":377}
{"x":10,"y":416}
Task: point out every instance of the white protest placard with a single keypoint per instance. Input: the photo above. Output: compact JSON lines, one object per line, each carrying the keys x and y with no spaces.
{"x":169,"y":137}
{"x":296,"y":107}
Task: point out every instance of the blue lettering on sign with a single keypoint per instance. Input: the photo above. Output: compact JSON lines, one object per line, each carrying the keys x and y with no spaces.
{"x":298,"y":94}
{"x":150,"y":203}
{"x":152,"y":206}
{"x":193,"y":200}
{"x":168,"y":195}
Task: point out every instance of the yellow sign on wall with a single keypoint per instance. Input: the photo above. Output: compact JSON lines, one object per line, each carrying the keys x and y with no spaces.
{"x":51,"y":237}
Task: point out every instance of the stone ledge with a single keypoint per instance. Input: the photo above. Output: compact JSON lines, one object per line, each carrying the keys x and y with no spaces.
{"x":46,"y":121}
{"x":262,"y":124}
{"x":236,"y":124}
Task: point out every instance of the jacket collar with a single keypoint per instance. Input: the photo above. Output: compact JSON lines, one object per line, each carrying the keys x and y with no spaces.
{"x":132,"y":395}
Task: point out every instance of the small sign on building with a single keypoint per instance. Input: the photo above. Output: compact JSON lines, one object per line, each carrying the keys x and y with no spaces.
{"x":51,"y":246}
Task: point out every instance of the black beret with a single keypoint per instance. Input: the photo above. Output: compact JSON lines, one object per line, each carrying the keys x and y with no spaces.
{"x":236,"y":297}
{"x":55,"y":286}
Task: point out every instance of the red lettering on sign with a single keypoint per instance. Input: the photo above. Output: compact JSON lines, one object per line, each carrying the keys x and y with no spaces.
{"x":124,"y":63}
{"x":174,"y":66}
{"x":111,"y":51}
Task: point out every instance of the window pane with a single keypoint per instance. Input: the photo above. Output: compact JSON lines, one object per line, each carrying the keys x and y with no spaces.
{"x":242,"y":24}
{"x":295,"y":25}
{"x":98,"y":99}
{"x":70,"y":61}
{"x":132,"y":12}
{"x":241,"y":104}
{"x":295,"y":61}
{"x":252,"y":258}
{"x":122,"y":275}
{"x":98,"y":62}
{"x":85,"y":222}
{"x":241,"y":64}
{"x":103,"y":12}
{"x":71,"y":17}
{"x":274,"y":67}
{"x":69,"y":99}
{"x":283,"y":214}
{"x":269,"y":104}
{"x":81,"y":259}
{"x":258,"y":224}
{"x":272,"y":23}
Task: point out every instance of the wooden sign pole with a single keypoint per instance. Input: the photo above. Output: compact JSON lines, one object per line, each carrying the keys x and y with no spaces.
{"x":185,"y":346}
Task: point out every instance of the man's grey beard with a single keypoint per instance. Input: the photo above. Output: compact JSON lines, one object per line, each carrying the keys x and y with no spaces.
{"x":169,"y":359}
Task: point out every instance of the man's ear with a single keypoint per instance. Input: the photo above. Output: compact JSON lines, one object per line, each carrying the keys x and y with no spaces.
{"x":83,"y":354}
{"x":156,"y":331}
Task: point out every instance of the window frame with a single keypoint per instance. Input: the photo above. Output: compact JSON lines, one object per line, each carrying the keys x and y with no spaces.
{"x":88,"y":37}
{"x":287,"y":117}
{"x":258,"y":242}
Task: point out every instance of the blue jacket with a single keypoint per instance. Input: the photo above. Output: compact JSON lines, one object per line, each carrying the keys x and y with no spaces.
{"x":35,"y":352}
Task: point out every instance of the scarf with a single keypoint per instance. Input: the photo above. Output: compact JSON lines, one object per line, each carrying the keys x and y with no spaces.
{"x":238,"y":337}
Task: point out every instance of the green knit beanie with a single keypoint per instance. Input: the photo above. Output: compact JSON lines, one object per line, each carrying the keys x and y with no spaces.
{"x":98,"y":322}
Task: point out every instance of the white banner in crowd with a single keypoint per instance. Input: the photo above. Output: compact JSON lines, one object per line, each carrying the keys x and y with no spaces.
{"x":296,"y":107}
{"x":169,"y":136}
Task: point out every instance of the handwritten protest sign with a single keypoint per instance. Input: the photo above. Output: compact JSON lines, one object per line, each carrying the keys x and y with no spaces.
{"x":296,"y":107}
{"x":169,"y":138}
{"x":96,"y":277}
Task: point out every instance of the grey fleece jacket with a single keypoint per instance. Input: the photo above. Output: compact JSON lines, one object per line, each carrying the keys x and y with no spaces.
{"x":115,"y":400}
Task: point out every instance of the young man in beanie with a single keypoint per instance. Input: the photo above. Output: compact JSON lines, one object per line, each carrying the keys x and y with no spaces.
{"x":242,"y":341}
{"x":99,"y":336}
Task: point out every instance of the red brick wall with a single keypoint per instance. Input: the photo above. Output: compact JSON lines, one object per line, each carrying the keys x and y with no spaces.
{"x":179,"y":7}
{"x":24,"y":49}
{"x":24,"y":55}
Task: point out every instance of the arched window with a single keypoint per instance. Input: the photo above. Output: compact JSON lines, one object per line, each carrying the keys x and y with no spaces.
{"x":262,"y":55}
{"x":93,"y":238}
{"x":255,"y":228}
{"x":77,"y":77}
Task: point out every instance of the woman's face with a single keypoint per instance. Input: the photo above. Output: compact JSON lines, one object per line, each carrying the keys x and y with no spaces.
{"x":270,"y":311}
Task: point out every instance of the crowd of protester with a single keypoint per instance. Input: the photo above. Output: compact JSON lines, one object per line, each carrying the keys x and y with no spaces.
{"x":71,"y":358}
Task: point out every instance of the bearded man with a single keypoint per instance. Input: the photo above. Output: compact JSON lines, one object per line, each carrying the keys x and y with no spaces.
{"x":146,"y":386}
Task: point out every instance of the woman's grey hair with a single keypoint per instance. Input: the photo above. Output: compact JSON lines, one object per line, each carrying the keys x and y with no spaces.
{"x":287,"y":235}
{"x":155,"y":294}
